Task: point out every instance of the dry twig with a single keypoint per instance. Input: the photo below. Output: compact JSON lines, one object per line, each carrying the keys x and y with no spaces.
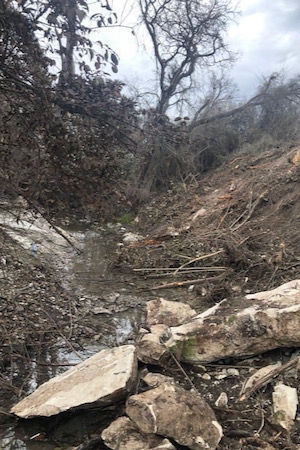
{"x":249,"y":210}
{"x":184,"y":283}
{"x":200,"y":258}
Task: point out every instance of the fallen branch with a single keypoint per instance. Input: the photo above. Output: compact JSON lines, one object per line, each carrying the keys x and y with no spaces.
{"x":55,"y":228}
{"x":192,"y":271}
{"x":4,"y":413}
{"x":189,"y":269}
{"x":67,"y":341}
{"x":295,"y":362}
{"x":191,"y":261}
{"x":180,"y":367}
{"x":176,"y":284}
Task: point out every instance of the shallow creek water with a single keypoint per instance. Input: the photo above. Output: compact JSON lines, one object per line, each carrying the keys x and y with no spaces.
{"x":88,"y":274}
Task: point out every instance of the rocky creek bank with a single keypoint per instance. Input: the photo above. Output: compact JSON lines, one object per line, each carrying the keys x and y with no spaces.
{"x":207,"y":404}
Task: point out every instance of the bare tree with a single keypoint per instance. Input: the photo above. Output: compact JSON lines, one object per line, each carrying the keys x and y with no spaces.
{"x":274,"y":93}
{"x":185,"y":34}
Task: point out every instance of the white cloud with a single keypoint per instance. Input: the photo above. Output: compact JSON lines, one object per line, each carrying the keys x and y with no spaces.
{"x":267,"y":38}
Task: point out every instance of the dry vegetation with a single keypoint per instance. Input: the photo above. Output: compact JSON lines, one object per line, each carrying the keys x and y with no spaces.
{"x":238,"y":224}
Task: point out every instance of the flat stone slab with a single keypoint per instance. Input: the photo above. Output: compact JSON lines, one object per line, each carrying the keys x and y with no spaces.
{"x":102,"y":379}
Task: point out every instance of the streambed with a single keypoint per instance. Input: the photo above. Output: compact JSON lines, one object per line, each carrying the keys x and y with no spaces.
{"x":110,"y":310}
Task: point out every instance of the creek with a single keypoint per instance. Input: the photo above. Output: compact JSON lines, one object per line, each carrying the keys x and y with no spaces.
{"x":119,"y":307}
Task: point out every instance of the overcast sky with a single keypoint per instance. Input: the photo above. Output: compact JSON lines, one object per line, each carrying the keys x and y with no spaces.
{"x":266,"y":36}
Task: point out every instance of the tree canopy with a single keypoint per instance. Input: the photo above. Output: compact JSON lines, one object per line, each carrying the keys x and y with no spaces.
{"x":62,"y":142}
{"x":185,"y":35}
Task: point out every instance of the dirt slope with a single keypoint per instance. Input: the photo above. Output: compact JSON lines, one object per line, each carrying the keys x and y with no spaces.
{"x":247,"y":213}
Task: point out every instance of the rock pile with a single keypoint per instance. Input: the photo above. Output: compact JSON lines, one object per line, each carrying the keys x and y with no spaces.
{"x":161,"y":414}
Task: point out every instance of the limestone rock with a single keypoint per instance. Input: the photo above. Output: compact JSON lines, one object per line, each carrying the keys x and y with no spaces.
{"x":155,"y":379}
{"x":150,"y":348}
{"x":132,"y":238}
{"x":272,"y":321}
{"x":164,"y":445}
{"x":100,"y":380}
{"x":171,"y":411}
{"x":222,"y":400}
{"x":122,"y":434}
{"x":160,"y":311}
{"x":285,"y":402}
{"x":288,"y":292}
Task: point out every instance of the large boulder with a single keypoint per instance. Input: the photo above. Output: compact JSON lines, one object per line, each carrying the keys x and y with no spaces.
{"x":265,"y":321}
{"x":102,"y":379}
{"x":171,"y":411}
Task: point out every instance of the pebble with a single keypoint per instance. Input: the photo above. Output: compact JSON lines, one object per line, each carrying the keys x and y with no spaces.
{"x":222,"y":400}
{"x":206,"y":376}
{"x":234,"y":372}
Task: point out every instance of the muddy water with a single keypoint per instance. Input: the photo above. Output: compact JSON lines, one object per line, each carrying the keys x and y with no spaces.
{"x":90,"y":275}
{"x":120,"y":312}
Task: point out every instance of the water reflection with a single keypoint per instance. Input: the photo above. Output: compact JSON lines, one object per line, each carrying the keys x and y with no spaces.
{"x":10,"y":442}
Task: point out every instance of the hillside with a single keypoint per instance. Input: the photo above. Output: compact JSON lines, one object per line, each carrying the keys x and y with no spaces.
{"x":246,"y":214}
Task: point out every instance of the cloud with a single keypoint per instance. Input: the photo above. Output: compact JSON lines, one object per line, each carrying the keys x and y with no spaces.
{"x":267,"y":37}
